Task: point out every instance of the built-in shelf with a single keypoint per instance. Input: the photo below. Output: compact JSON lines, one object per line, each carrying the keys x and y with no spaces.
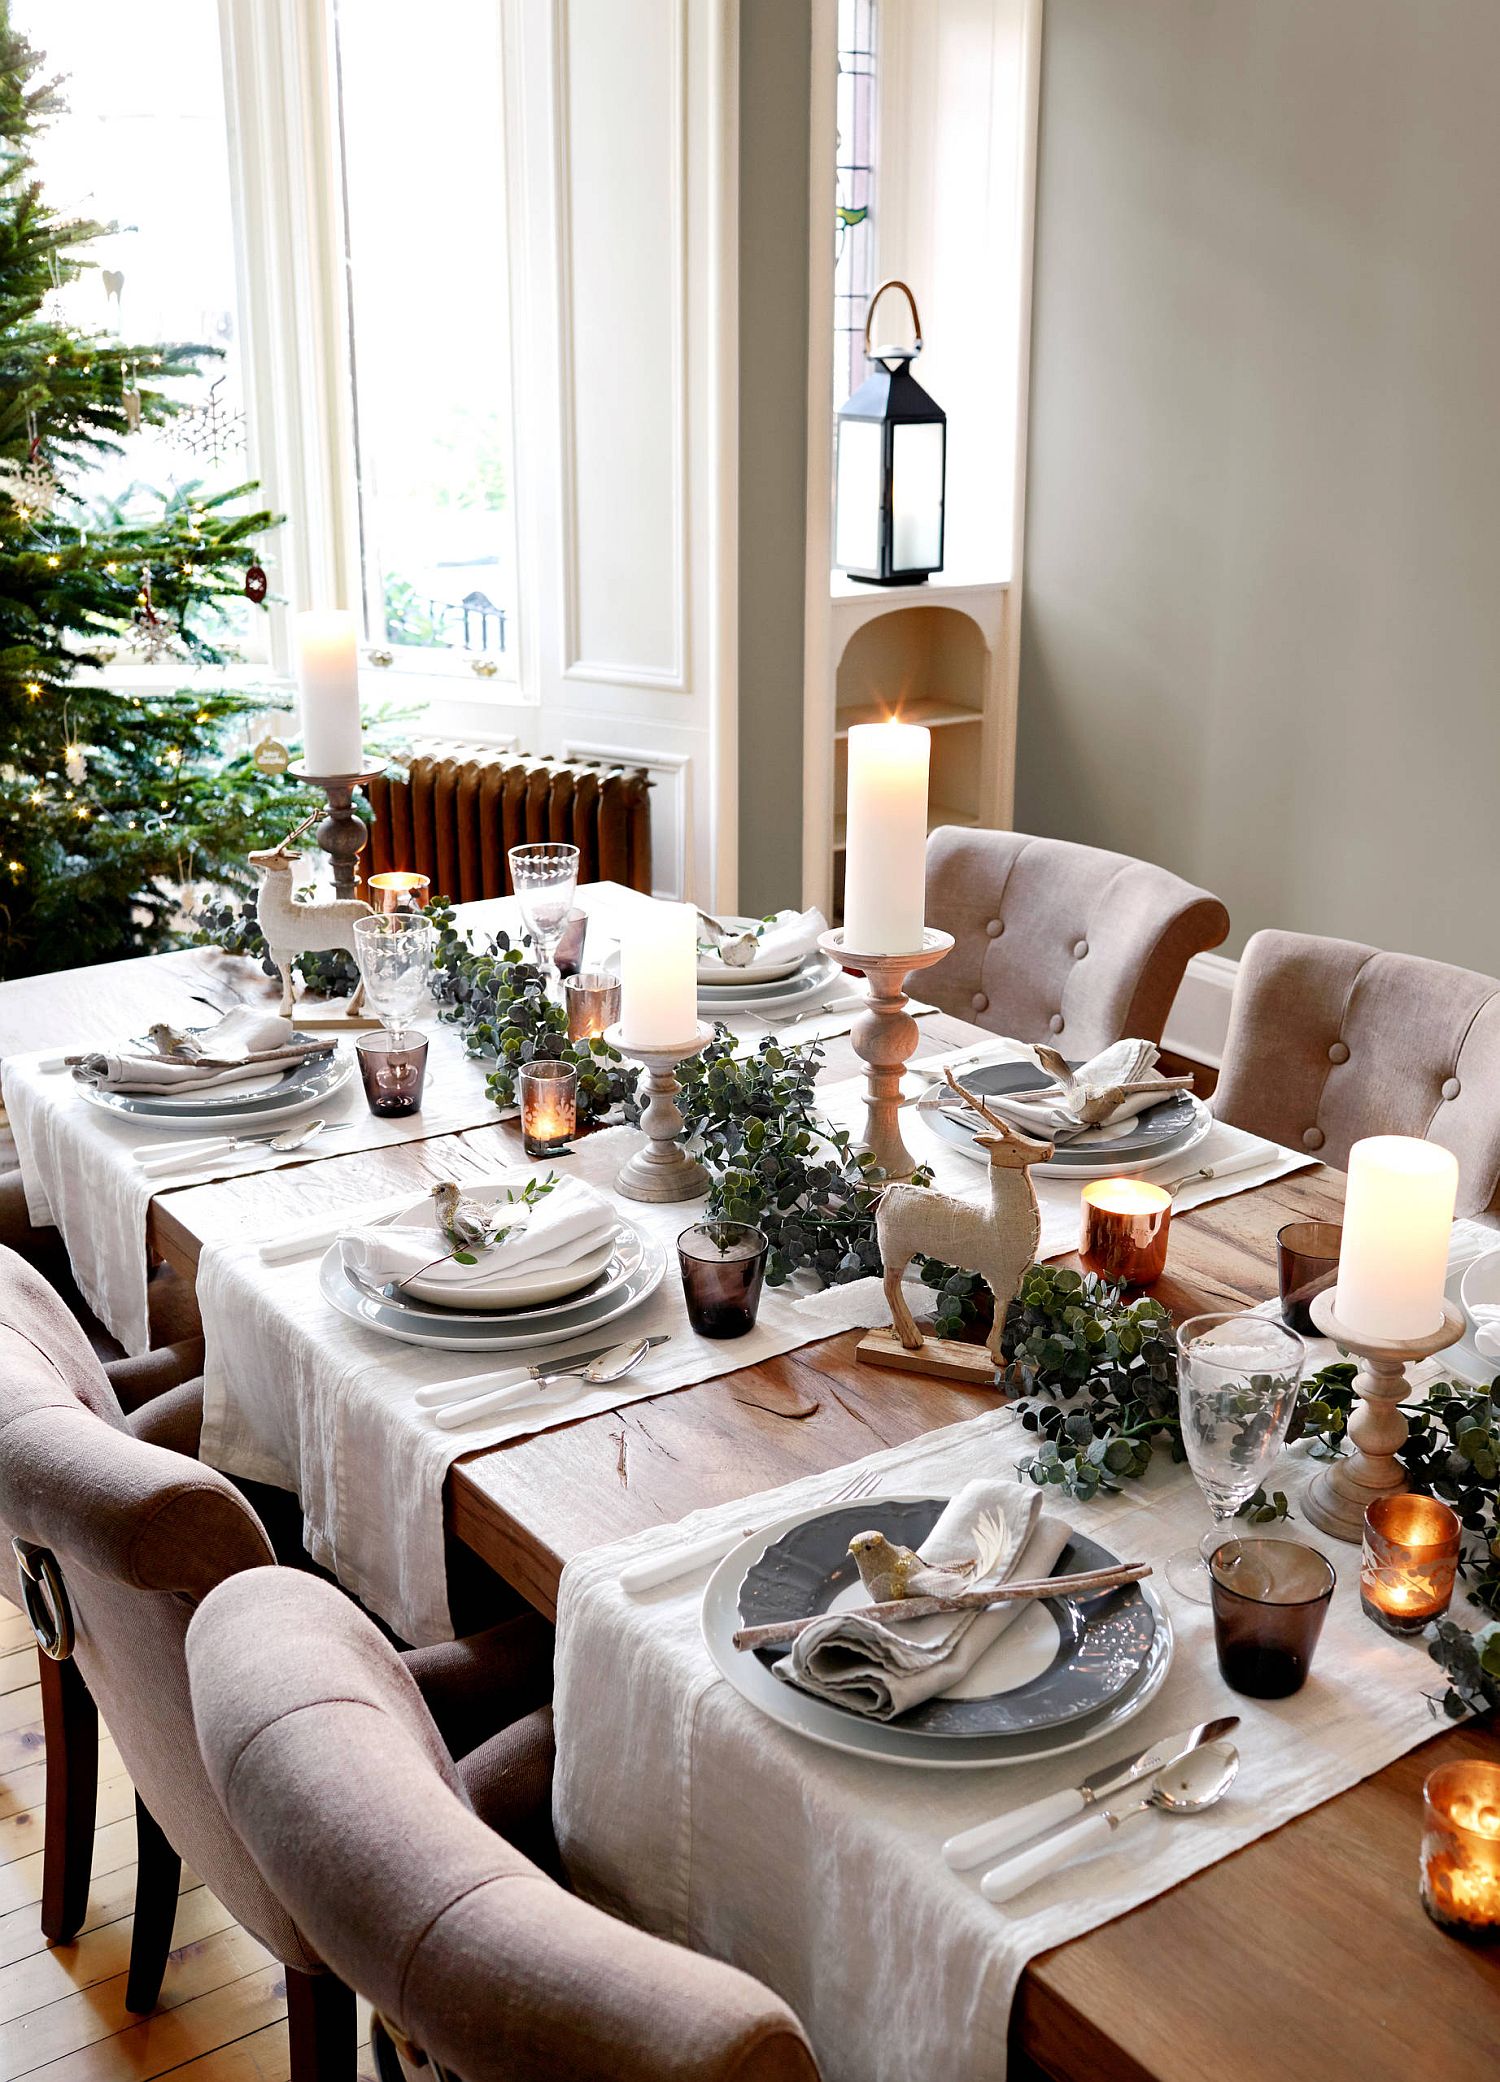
{"x":937,"y":715}
{"x":938,"y":813}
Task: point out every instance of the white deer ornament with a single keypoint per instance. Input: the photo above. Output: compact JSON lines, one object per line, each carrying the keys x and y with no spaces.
{"x":996,"y":1238}
{"x":293,"y":926}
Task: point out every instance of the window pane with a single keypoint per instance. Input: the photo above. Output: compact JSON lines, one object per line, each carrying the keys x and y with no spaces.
{"x":854,"y":222}
{"x":424,"y":174}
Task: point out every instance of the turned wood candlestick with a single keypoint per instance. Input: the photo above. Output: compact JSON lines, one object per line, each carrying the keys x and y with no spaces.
{"x":884,"y":1037}
{"x":341,"y":834}
{"x":663,"y":1170}
{"x":1337,"y":1501}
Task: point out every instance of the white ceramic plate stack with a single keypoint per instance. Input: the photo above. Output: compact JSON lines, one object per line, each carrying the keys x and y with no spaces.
{"x":274,"y":1097}
{"x":1161,"y":1135}
{"x":776,"y":989}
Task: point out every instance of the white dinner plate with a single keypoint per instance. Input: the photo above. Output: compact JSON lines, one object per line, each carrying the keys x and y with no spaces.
{"x":884,"y":1741}
{"x":493,"y":1333}
{"x":614,"y":1263}
{"x":499,"y":1289}
{"x":301,"y":1089}
{"x":814,"y":978}
{"x":713,"y":970}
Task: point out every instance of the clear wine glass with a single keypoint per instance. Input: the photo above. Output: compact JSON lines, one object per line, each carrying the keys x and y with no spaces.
{"x":395,"y":952}
{"x":1237,"y":1382}
{"x":545,"y":878}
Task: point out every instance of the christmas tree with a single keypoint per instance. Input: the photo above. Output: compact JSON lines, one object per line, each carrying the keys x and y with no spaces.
{"x":109,"y":802}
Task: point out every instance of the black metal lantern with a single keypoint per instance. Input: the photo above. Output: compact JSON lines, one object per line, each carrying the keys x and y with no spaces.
{"x":891,"y":461}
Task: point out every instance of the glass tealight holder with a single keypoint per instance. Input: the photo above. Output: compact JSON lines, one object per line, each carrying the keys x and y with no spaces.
{"x":1461,"y":1849}
{"x":1409,"y":1561}
{"x":723,"y":1268}
{"x":393,"y":1068}
{"x":1126,"y":1222}
{"x":593,"y":1001}
{"x":548,"y":1092}
{"x":398,"y":890}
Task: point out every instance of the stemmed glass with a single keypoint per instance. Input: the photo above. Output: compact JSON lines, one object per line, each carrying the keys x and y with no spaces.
{"x":394,"y":951}
{"x":1237,"y":1383}
{"x":544,"y":878}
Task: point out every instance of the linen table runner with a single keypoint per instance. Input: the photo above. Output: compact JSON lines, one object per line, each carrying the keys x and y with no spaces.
{"x":822,"y":1873}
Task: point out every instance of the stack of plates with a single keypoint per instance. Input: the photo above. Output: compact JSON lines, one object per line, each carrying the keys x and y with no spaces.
{"x":1062,"y":1675}
{"x":597,"y":1288}
{"x":774,"y":988}
{"x":1157,"y":1136}
{"x":274,"y":1097}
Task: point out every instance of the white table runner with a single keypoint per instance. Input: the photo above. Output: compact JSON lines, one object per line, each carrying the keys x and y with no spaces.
{"x":822,"y":1874}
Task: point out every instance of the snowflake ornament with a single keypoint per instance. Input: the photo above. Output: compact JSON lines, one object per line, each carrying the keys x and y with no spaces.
{"x":30,"y":486}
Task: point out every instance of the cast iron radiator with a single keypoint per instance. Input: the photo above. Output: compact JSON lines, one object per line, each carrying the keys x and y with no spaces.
{"x":459,"y":811}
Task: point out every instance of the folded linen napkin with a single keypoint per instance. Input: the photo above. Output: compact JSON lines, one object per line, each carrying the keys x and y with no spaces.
{"x":1485,"y":1316}
{"x":1105,"y":1092}
{"x":554,"y":1231}
{"x":883,"y":1670}
{"x":787,"y":937}
{"x":245,"y":1044}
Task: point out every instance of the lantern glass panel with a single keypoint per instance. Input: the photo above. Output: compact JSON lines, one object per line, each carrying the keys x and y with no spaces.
{"x":917,"y":496}
{"x":857,"y":545}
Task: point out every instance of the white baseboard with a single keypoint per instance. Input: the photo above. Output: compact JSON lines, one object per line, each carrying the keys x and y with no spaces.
{"x":1199,"y":1019}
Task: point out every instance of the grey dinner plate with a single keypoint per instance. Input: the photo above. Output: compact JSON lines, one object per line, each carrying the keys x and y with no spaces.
{"x":1102,"y":1641}
{"x":298,"y":1084}
{"x":1150,"y":1134}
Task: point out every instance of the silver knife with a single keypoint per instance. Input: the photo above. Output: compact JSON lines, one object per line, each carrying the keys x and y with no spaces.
{"x":582,"y":1361}
{"x":981,"y":1845}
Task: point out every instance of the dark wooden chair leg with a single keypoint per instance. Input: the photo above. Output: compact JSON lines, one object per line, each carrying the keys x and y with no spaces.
{"x":158,"y":1872}
{"x":320,"y":2027}
{"x":70,"y":1722}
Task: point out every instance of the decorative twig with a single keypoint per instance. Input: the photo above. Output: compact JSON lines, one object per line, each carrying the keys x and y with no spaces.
{"x":1086,"y":1583}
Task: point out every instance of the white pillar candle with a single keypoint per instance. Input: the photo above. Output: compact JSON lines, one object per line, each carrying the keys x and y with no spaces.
{"x":328,"y":691}
{"x":659,"y":975}
{"x":885,"y":862}
{"x":1393,"y":1261}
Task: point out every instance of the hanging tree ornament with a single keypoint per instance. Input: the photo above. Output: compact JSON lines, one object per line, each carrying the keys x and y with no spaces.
{"x":30,"y":486}
{"x":256,"y":582}
{"x":75,"y":764}
{"x":152,"y":636}
{"x":130,"y":396}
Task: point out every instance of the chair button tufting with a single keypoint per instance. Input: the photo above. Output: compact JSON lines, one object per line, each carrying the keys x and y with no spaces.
{"x":1080,"y":950}
{"x":979,"y":1002}
{"x":1339,"y":1052}
{"x":1056,"y":1022}
{"x":1312,"y":1138}
{"x":994,"y":928}
{"x":1451,"y":1087}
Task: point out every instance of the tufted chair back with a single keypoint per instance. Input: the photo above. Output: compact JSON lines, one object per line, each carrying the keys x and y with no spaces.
{"x":138,"y":1535}
{"x":1060,"y":943}
{"x":331,"y":1769}
{"x":1329,"y":1041}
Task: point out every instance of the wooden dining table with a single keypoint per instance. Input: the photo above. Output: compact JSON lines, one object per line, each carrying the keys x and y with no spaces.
{"x":1304,"y":1955}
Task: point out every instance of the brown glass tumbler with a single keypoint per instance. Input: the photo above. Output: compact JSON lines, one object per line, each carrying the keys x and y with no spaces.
{"x":394,"y":1069}
{"x":1307,"y":1261}
{"x":723,"y":1270}
{"x":1270,"y":1599}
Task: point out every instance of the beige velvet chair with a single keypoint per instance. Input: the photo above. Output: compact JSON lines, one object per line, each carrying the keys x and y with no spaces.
{"x":1060,"y":943}
{"x":332,"y":1772}
{"x":1330,"y":1040}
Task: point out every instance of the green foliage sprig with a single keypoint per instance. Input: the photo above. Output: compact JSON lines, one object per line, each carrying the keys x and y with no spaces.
{"x":1471,"y":1664}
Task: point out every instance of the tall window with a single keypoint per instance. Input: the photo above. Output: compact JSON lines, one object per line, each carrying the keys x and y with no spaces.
{"x":854,"y":222}
{"x":423,"y":163}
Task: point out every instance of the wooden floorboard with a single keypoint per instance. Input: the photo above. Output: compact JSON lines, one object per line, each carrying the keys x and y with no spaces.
{"x":222,"y":2014}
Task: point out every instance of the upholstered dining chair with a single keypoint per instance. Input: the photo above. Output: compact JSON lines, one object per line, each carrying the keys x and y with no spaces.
{"x":1330,"y":1040}
{"x":479,"y":1967}
{"x":1058,"y":942}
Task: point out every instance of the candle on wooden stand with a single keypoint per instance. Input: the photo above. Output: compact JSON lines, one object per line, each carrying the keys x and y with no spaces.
{"x":659,"y":976}
{"x":328,"y":693}
{"x":885,"y":862}
{"x":1393,"y":1259}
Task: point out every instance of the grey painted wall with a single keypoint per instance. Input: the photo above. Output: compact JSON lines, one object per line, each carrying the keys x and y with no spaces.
{"x":1261,"y":640}
{"x":775,"y":88}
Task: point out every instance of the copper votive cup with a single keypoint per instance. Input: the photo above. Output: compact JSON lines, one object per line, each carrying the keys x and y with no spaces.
{"x":1461,"y":1849}
{"x":1124,"y":1234}
{"x":399,"y":890}
{"x":1409,"y":1561}
{"x":593,"y":1001}
{"x":548,"y":1093}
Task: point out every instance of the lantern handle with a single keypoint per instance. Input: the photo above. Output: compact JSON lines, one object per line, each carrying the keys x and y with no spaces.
{"x":916,"y":323}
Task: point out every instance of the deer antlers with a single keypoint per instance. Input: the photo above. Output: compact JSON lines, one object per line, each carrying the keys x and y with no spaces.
{"x":991,"y":1119}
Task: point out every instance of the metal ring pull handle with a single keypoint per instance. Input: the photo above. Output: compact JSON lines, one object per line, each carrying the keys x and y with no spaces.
{"x":916,"y":323}
{"x":45,"y":1599}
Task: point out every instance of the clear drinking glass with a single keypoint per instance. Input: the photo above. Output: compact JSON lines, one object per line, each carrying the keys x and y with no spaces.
{"x":395,"y":953}
{"x":544,"y":878}
{"x":1237,"y":1380}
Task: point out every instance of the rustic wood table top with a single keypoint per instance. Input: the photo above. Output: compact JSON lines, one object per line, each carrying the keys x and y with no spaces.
{"x":1305,"y":1957}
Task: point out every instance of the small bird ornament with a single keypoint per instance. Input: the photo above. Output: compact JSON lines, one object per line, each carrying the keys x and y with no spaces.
{"x":465,"y":1223}
{"x":889,"y":1572}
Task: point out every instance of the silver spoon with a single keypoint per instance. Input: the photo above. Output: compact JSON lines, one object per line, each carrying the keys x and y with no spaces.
{"x":290,"y":1138}
{"x":1186,"y":1786}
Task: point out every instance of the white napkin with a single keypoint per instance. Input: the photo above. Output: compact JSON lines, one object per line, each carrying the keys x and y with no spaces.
{"x":1054,"y":1110}
{"x":245,"y":1045}
{"x":558,"y":1229}
{"x":789,"y":936}
{"x":885,"y":1670}
{"x":1485,"y":1316}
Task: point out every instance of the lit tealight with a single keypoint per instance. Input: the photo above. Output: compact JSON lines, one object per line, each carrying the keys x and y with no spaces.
{"x":1124,"y":1233}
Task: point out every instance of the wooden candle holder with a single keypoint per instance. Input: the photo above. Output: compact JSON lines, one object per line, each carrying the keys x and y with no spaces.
{"x":1337,"y":1501}
{"x":663,"y":1170}
{"x":884,"y":1037}
{"x":341,"y":834}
